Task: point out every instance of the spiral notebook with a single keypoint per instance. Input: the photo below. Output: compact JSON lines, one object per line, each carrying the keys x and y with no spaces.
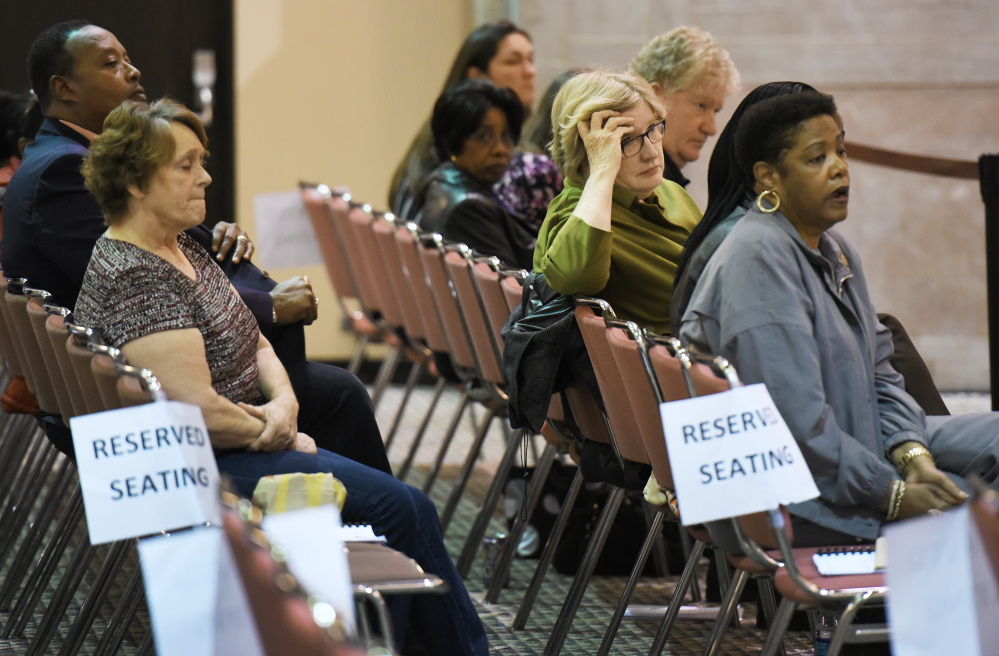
{"x":843,"y":561}
{"x":360,"y":533}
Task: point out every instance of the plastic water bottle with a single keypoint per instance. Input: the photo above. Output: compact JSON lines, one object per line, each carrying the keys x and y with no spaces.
{"x":825,"y":627}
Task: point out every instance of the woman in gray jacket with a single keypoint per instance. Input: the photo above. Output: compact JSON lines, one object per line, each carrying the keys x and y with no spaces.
{"x":784,"y":298}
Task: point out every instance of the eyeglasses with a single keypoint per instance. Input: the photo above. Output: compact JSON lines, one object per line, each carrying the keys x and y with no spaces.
{"x":633,"y":145}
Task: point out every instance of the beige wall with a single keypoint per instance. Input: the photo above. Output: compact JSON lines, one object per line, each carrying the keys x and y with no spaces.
{"x":919,"y":76}
{"x":333,"y":91}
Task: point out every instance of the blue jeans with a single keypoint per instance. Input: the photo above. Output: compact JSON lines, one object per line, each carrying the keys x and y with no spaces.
{"x":444,"y":623}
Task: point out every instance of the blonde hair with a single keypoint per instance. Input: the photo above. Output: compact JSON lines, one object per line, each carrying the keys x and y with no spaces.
{"x":581,"y":97}
{"x":685,"y":57}
{"x":135,"y":143}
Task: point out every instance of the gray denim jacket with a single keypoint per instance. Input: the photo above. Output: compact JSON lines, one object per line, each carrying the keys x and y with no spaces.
{"x":801,"y":321}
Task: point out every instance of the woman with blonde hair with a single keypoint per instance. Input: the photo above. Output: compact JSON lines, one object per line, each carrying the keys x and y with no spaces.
{"x":618,"y":228}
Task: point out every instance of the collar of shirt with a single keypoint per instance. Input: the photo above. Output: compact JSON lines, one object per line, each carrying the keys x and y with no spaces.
{"x":83,"y":131}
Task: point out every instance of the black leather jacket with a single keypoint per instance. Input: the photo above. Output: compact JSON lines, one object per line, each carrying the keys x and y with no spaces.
{"x":462,"y":209}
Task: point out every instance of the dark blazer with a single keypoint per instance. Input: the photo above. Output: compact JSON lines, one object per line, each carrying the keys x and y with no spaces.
{"x":51,"y":223}
{"x":461,"y":208}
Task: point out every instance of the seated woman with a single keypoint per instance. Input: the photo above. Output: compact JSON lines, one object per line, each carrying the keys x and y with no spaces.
{"x":502,"y":53}
{"x":617,"y":229}
{"x":155,"y":294}
{"x":475,"y":125}
{"x":784,"y":299}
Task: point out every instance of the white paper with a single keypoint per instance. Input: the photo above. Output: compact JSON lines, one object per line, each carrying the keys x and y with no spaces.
{"x":933,"y":587}
{"x":732,"y":454}
{"x":360,"y":533}
{"x":197,"y":603}
{"x":285,"y":238}
{"x":316,"y":555}
{"x":145,"y":469}
{"x":847,"y":563}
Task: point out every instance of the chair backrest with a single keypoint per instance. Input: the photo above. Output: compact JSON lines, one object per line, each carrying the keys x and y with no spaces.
{"x":340,"y":211}
{"x":357,"y":229}
{"x":513,"y":291}
{"x":55,"y":330}
{"x":487,"y":349}
{"x":408,"y":246}
{"x":17,"y":304}
{"x":638,"y":388}
{"x":627,"y":434}
{"x":389,"y":265}
{"x":317,"y":206}
{"x":37,"y":317}
{"x":487,"y":280}
{"x":11,"y":349}
{"x":80,"y":357}
{"x":107,"y":380}
{"x":389,"y":302}
{"x":447,"y":305}
{"x":668,"y":372}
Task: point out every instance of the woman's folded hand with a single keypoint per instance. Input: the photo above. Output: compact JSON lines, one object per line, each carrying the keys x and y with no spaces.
{"x":922,"y":470}
{"x":280,"y":418}
{"x":305,"y":444}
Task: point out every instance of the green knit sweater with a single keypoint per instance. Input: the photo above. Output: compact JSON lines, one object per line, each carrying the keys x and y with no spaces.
{"x":632,"y":267}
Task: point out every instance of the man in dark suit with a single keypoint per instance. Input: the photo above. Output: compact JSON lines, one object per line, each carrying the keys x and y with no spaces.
{"x":80,"y":72}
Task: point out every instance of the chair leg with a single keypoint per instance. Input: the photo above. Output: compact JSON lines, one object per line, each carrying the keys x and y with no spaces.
{"x":385,"y":374}
{"x":687,"y":542}
{"x":629,"y":587}
{"x":95,"y":597}
{"x":546,"y":557}
{"x":29,"y":546}
{"x":532,"y":495}
{"x":117,"y":626}
{"x":146,"y":647}
{"x":448,"y":436}
{"x":85,"y":552}
{"x":659,"y":546}
{"x":481,"y":523}
{"x":19,"y":435}
{"x":415,"y":372}
{"x":458,"y":486}
{"x":687,"y":578}
{"x":42,"y":573}
{"x":358,"y":357}
{"x":768,"y":601}
{"x":28,"y":479}
{"x":729,"y":609}
{"x":438,"y":390}
{"x":845,"y":621}
{"x":568,"y":613}
{"x":778,"y":628}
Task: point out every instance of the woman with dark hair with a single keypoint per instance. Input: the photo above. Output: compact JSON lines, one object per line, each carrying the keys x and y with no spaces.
{"x":730,"y":194}
{"x":475,"y":126}
{"x":785,"y":300}
{"x":500,"y":52}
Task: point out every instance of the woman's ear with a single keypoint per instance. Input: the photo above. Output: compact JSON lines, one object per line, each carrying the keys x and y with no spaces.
{"x":766,"y":175}
{"x":135,"y":192}
{"x":474,"y":73}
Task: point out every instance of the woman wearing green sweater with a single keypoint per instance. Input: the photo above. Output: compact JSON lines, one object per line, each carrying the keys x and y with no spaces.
{"x":617,"y":229}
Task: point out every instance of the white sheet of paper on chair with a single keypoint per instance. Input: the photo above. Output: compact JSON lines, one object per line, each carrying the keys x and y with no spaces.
{"x":732,"y":454}
{"x":145,"y":469}
{"x":943,"y":595}
{"x":285,"y":238}
{"x":197,"y":602}
{"x":316,"y":556}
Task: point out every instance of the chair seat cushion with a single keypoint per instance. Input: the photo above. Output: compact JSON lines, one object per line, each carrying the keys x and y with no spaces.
{"x":803,"y":558}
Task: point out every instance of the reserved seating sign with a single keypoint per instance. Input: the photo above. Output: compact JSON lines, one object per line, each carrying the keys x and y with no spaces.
{"x":145,"y":469}
{"x":732,"y":454}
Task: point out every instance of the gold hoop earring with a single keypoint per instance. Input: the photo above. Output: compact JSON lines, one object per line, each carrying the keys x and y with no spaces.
{"x":759,"y":201}
{"x":454,"y":159}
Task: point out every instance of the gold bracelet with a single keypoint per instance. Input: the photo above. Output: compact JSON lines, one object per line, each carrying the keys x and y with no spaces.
{"x":910,"y":455}
{"x":898,"y":502}
{"x":891,"y":499}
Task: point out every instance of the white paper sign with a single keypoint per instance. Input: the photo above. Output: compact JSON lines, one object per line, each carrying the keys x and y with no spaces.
{"x":732,"y":454}
{"x":943,"y":596}
{"x":316,"y":555}
{"x":197,"y":602}
{"x":145,"y":469}
{"x":285,"y":238}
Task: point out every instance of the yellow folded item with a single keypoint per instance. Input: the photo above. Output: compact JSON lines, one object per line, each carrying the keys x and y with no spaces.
{"x":660,"y":496}
{"x":284,"y":492}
